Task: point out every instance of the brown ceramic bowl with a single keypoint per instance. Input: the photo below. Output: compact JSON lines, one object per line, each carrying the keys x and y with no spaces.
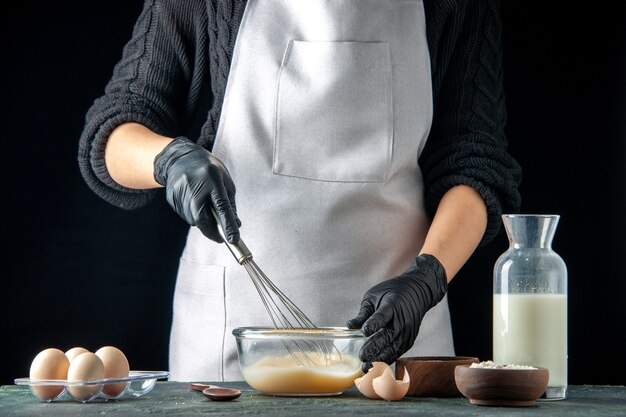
{"x":501,"y":387}
{"x":432,"y":376}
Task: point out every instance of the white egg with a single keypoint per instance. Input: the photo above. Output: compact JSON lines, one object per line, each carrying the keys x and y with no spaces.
{"x":85,"y":367}
{"x":49,"y":364}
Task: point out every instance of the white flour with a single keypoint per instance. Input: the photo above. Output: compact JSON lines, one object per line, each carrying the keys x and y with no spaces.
{"x":493,"y":365}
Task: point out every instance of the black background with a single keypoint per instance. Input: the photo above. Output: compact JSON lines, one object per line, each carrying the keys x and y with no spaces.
{"x":79,"y":272}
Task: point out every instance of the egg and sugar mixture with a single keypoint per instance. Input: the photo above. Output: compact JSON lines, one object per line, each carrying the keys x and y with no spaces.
{"x":292,"y":374}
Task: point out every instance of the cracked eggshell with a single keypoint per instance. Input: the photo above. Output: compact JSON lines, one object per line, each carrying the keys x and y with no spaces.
{"x":390,"y":389}
{"x":364,"y":384}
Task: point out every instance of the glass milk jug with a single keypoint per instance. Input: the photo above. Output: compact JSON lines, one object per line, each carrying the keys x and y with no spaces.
{"x":530,"y":301}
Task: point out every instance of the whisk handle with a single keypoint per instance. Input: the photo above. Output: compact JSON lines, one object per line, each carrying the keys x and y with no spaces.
{"x":239,"y":250}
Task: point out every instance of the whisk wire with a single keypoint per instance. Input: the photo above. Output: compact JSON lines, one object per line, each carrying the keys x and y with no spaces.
{"x":298,"y":315}
{"x":266,"y":289}
{"x":283,"y":312}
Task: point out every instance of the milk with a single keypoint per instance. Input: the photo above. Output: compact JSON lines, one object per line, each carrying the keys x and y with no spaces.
{"x":531,"y":329}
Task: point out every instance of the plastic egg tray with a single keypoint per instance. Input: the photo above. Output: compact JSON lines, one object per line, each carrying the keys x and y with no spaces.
{"x":138,"y":383}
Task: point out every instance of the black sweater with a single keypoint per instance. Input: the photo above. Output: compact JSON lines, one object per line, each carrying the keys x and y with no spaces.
{"x":173,"y":73}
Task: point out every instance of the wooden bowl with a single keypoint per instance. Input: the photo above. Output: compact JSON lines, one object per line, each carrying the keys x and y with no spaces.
{"x":501,"y":387}
{"x":432,"y":376}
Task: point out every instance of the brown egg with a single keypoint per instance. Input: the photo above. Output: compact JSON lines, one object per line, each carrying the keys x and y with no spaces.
{"x":85,"y":367}
{"x":74,"y":352}
{"x":115,"y":366}
{"x":49,"y":364}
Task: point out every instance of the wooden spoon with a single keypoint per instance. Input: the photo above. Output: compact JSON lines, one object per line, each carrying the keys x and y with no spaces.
{"x":221,"y":394}
{"x":197,"y":386}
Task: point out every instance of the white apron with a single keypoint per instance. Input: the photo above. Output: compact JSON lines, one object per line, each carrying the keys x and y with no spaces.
{"x":327,"y":108}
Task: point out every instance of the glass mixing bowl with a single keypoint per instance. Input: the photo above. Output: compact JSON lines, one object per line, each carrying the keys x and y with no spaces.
{"x":322,"y":361}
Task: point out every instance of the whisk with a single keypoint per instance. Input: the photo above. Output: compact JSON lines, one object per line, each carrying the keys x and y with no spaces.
{"x":283,"y":312}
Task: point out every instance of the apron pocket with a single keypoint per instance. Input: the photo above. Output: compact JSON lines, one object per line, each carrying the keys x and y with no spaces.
{"x":197,"y":339}
{"x":333,"y":114}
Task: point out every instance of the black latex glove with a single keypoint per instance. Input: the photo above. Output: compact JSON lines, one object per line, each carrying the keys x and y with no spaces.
{"x":392,"y":311}
{"x":195,"y":180}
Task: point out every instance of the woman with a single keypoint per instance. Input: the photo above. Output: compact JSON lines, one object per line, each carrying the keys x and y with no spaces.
{"x":365,"y":139}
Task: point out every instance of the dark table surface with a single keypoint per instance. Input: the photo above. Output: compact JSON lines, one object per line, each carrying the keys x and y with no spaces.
{"x":177,"y":399}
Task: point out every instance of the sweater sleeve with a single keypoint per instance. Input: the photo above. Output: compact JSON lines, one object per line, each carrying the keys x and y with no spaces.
{"x":156,"y":83}
{"x":467,"y":144}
